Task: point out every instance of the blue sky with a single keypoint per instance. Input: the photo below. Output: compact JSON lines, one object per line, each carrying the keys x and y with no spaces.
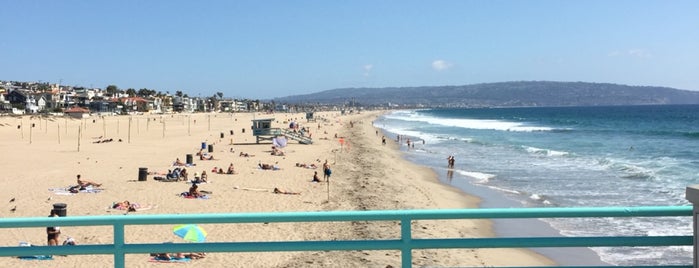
{"x":264,"y":49}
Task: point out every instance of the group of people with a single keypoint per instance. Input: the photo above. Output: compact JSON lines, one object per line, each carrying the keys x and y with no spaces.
{"x":200,"y":178}
{"x":276,"y":151}
{"x":177,"y":174}
{"x":204,"y":155}
{"x":179,"y":256}
{"x":229,"y":171}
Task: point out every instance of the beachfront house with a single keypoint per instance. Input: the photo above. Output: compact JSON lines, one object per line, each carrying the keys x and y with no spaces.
{"x":77,"y":112}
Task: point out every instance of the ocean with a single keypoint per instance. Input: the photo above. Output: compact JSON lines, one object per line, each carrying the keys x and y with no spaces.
{"x":566,"y":157}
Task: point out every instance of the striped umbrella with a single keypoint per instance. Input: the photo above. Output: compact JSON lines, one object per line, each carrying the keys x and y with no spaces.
{"x":190,"y":232}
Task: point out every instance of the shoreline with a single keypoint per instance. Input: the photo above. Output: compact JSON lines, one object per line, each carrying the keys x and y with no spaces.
{"x":368,"y":177}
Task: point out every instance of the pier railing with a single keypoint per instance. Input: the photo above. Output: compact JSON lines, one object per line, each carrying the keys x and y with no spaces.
{"x":405,"y":244}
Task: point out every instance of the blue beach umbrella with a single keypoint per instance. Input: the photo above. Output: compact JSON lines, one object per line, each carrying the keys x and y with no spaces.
{"x":190,"y":232}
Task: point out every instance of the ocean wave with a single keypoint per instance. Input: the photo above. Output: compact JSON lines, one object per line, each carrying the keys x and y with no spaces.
{"x":634,"y":172}
{"x":499,"y":189}
{"x":484,"y":124}
{"x":546,"y":152}
{"x":694,"y":135}
{"x":540,"y":198}
{"x":480,"y":177}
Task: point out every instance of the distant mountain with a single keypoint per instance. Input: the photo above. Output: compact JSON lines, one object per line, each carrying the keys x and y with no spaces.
{"x":505,"y":94}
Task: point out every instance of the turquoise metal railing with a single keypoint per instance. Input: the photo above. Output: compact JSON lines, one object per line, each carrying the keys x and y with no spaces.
{"x":405,"y":244}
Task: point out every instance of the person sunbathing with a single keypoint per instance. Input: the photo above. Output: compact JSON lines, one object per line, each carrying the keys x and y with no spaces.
{"x":304,"y":165}
{"x":122,"y":205}
{"x":178,"y":162}
{"x":279,"y":191}
{"x":276,"y":151}
{"x":268,"y":166}
{"x":84,"y":183}
{"x":180,"y":256}
{"x":206,"y":156}
{"x":126,"y":205}
{"x":245,"y":155}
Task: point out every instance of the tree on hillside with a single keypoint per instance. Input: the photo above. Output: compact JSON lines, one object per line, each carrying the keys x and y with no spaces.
{"x":220,"y":95}
{"x":178,"y":93}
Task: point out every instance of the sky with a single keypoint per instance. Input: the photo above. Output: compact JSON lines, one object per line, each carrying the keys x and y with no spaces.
{"x":262,"y":49}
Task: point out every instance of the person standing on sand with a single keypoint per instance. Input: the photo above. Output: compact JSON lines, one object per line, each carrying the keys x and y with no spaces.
{"x":326,"y":171}
{"x":52,"y":233}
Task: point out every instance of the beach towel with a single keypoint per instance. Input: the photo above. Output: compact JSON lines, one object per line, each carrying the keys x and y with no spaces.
{"x":186,"y":195}
{"x":66,"y":190}
{"x":165,"y":179}
{"x":250,"y":189}
{"x":171,"y":260}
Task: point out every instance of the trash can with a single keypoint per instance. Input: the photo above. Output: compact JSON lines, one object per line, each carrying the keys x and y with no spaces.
{"x":142,"y":174}
{"x":221,"y":135}
{"x":203,"y":145}
{"x":60,"y":209}
{"x":231,"y":132}
{"x":211,"y":148}
{"x":189,"y":159}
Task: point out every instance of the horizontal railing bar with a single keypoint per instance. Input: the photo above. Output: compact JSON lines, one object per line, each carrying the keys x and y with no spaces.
{"x":635,"y":266}
{"x":537,"y":242}
{"x":375,"y":215}
{"x":509,"y":242}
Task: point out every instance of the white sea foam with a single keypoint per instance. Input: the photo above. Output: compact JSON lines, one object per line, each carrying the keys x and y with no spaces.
{"x":480,"y":177}
{"x":500,"y":189}
{"x":467,"y":123}
{"x":546,"y":152}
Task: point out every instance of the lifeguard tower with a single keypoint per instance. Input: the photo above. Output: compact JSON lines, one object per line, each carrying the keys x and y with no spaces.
{"x":309,"y":117}
{"x":262,"y":130}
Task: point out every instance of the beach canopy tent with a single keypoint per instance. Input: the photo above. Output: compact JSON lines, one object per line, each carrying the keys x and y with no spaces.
{"x":279,"y":141}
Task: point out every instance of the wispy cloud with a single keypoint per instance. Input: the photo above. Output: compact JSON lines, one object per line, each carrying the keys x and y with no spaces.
{"x":367,"y":69}
{"x":441,"y":65}
{"x":634,"y":53}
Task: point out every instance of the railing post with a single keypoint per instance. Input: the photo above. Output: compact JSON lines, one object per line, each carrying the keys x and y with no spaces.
{"x":406,"y":253}
{"x":692,"y":195}
{"x":119,"y":258}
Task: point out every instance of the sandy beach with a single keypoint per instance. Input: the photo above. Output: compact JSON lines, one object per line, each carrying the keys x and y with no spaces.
{"x":366,"y":176}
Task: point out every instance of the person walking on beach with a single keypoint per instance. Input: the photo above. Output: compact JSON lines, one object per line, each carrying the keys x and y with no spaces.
{"x":383,"y":140}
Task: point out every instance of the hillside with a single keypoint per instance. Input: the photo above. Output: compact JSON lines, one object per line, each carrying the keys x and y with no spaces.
{"x":505,"y":94}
